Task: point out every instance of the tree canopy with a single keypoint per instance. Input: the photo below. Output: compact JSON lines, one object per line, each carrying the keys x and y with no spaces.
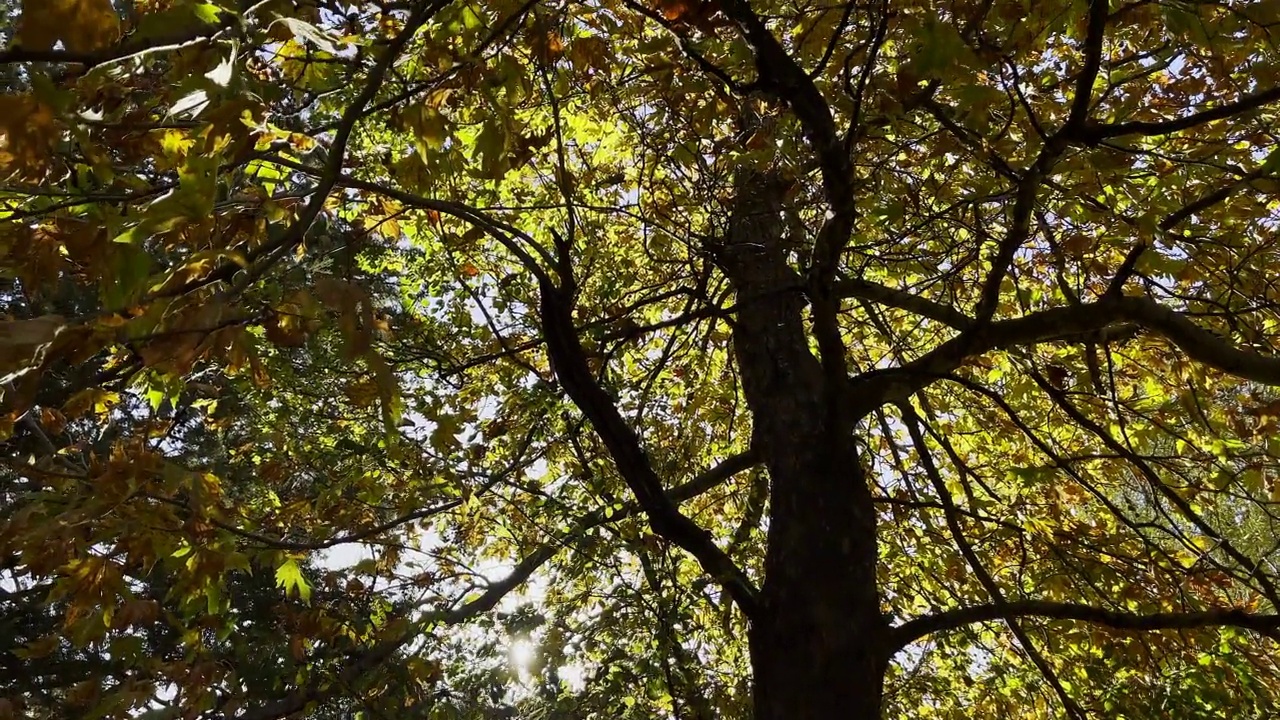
{"x":639,"y":359}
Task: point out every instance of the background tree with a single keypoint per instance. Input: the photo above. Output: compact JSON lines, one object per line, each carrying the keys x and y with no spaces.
{"x":437,"y":358}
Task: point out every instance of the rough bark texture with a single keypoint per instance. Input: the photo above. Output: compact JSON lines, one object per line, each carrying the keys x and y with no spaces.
{"x":818,"y":640}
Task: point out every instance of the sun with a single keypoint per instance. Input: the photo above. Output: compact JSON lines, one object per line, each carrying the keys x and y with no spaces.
{"x":523,"y":652}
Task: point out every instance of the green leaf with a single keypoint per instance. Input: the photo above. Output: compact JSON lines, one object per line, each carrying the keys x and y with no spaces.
{"x":289,"y":576}
{"x":130,"y":272}
{"x":181,"y":19}
{"x":491,"y":148}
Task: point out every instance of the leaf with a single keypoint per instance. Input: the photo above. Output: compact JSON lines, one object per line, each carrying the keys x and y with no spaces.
{"x":28,"y":132}
{"x":941,"y":50}
{"x":191,"y":105}
{"x":491,"y":147}
{"x":589,"y":52}
{"x":80,"y":25}
{"x":130,"y":270}
{"x":221,"y":75}
{"x":21,"y":335}
{"x":26,"y":346}
{"x":471,"y":20}
{"x":289,"y":576}
{"x":181,"y":19}
{"x":429,"y":126}
{"x":305,"y":32}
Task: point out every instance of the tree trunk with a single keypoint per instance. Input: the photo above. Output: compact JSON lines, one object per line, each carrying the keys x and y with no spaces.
{"x":818,"y":641}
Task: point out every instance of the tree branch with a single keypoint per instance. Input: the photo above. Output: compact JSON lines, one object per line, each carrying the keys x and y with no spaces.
{"x":297,"y":700}
{"x":1252,"y":101}
{"x":912,"y":630}
{"x":1199,"y":344}
{"x":952,"y":516}
{"x":569,"y":361}
{"x":781,"y":77}
{"x":1096,"y":33}
{"x":505,"y":233}
{"x":267,"y":254}
{"x":903,"y":300}
{"x":122,"y":51}
{"x":878,"y":387}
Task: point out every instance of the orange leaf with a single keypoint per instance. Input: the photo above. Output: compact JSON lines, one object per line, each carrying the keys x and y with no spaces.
{"x":675,"y":10}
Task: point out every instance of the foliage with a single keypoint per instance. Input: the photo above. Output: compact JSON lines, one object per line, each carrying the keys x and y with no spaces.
{"x":698,"y":352}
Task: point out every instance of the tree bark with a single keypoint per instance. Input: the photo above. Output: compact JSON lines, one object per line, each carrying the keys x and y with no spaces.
{"x":818,"y":643}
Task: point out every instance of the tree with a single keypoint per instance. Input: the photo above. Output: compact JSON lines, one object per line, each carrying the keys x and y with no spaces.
{"x":729,"y":358}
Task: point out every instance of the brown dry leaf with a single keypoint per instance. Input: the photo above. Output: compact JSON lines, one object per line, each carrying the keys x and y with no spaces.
{"x":286,"y":327}
{"x":36,"y":331}
{"x":363,"y":392}
{"x":337,"y":295}
{"x":547,"y":46}
{"x":183,"y":339}
{"x":1077,"y":244}
{"x":26,"y":349}
{"x":53,"y":421}
{"x":675,"y":10}
{"x":28,"y":132}
{"x":589,"y":52}
{"x":81,"y":25}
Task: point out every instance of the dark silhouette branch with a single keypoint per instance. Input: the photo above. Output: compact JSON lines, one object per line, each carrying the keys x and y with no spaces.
{"x":952,"y":515}
{"x":1151,"y":128}
{"x":568,"y":359}
{"x":1094,"y":37}
{"x":780,"y":77}
{"x":903,"y":300}
{"x":1111,"y":313}
{"x":912,"y":630}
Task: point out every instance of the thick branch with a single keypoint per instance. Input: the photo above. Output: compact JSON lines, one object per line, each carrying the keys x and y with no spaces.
{"x":781,"y":77}
{"x":1247,"y":103}
{"x":1200,"y":344}
{"x":1268,"y":625}
{"x":569,"y":360}
{"x":1092,"y":64}
{"x":903,"y":300}
{"x":894,"y":384}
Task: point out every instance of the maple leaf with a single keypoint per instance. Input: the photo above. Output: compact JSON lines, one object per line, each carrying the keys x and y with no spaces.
{"x":80,"y":25}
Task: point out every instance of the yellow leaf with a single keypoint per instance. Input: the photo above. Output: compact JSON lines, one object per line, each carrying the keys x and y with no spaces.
{"x":429,"y":126}
{"x":95,"y":399}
